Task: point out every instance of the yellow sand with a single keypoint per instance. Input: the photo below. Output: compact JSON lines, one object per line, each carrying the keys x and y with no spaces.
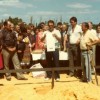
{"x":69,"y":88}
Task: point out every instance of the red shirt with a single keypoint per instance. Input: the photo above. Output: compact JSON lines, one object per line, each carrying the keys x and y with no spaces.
{"x":1,"y":61}
{"x":39,"y":44}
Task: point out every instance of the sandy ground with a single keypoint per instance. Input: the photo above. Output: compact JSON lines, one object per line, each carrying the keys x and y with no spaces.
{"x":68,"y":88}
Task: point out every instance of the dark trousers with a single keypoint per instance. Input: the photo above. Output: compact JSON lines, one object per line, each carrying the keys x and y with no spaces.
{"x":20,"y":56}
{"x":74,"y":56}
{"x":52,"y":56}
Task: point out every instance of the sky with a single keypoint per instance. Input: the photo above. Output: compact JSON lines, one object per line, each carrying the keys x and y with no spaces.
{"x":58,"y":10}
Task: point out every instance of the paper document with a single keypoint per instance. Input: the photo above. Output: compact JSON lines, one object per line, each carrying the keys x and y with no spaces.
{"x":50,"y":42}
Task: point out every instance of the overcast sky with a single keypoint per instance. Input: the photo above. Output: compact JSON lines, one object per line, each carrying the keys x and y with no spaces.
{"x":84,"y":10}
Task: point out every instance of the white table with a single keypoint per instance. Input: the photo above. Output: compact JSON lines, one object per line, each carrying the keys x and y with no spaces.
{"x":41,"y":56}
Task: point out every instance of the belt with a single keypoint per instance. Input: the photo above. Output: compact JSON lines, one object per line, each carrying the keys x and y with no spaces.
{"x":73,"y":44}
{"x":86,"y":50}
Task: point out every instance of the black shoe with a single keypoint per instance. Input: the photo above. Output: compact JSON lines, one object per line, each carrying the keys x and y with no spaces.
{"x":79,"y":77}
{"x":84,"y":80}
{"x":8,"y":79}
{"x":22,"y":78}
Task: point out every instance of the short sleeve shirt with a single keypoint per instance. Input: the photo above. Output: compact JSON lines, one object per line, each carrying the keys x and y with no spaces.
{"x":88,"y":37}
{"x":57,"y":32}
{"x":74,"y":35}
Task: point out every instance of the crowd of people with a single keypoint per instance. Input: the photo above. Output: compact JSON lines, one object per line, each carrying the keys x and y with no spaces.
{"x":80,"y":41}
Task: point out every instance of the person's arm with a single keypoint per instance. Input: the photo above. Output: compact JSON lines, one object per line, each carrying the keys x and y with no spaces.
{"x":32,"y":45}
{"x":0,"y":48}
{"x":1,"y":38}
{"x":65,"y":41}
{"x":58,"y":38}
{"x":94,"y":40}
{"x":90,"y":44}
{"x":57,"y":35}
{"x":43,"y":37}
{"x":78,"y":41}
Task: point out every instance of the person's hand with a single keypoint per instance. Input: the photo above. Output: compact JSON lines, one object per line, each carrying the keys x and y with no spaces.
{"x":65,"y":50}
{"x":78,"y":41}
{"x":26,"y":40}
{"x":11,"y":49}
{"x":89,"y":45}
{"x":19,"y":51}
{"x":54,"y":35}
{"x":44,"y":35}
{"x":30,"y":45}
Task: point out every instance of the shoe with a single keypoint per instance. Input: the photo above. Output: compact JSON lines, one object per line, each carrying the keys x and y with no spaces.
{"x":92,"y":71}
{"x":71,"y":74}
{"x":89,"y":82}
{"x":46,"y":79}
{"x":58,"y":79}
{"x":84,"y":81}
{"x":22,"y":78}
{"x":79,"y":77}
{"x":8,"y":79}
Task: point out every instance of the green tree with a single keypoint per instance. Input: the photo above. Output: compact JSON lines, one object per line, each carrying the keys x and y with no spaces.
{"x":15,"y":20}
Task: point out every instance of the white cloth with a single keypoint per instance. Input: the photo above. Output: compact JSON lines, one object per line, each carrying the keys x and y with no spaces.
{"x":50,"y":42}
{"x":38,"y":74}
{"x":41,"y":56}
{"x":98,"y":35}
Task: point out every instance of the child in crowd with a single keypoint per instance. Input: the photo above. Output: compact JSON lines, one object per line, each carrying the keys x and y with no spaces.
{"x":20,"y":47}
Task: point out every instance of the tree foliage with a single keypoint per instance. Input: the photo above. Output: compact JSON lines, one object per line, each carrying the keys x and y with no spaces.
{"x":15,"y":20}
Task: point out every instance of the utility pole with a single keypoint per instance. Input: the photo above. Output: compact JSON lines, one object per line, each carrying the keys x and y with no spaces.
{"x":61,"y":18}
{"x":40,"y":19}
{"x":31,"y":19}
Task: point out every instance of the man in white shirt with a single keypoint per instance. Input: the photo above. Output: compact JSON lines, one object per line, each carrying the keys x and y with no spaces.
{"x":73,"y":36}
{"x":52,"y":44}
{"x":86,"y":42}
